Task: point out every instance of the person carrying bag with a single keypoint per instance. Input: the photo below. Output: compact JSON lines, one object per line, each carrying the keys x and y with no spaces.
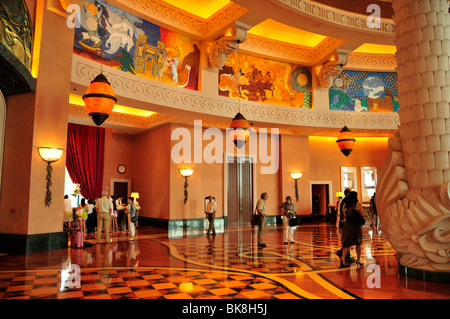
{"x":290,"y":220}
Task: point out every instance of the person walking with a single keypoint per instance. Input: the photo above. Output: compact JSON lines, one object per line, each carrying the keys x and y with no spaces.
{"x":338,"y":211}
{"x":131,"y":215}
{"x":114,"y":215}
{"x":373,"y":210}
{"x":92,"y":217}
{"x":341,"y":221}
{"x":288,"y":210}
{"x":261,"y":210}
{"x":67,"y":211}
{"x":82,"y":212}
{"x":104,"y":208}
{"x":352,"y":234}
{"x":211,"y":209}
{"x":315,"y":204}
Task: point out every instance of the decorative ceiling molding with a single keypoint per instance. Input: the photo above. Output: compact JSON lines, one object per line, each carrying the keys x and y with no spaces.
{"x":335,"y":16}
{"x":371,"y":62}
{"x":159,"y":12}
{"x":80,"y":112}
{"x":280,"y":50}
{"x":223,"y":18}
{"x":326,"y":47}
{"x":177,"y":99}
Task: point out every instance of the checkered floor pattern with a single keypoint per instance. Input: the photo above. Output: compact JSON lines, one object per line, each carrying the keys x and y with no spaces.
{"x":229,"y":265}
{"x":143,"y":283}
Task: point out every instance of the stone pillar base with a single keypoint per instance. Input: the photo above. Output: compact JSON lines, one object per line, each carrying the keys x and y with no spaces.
{"x":25,"y":244}
{"x":442,"y":277}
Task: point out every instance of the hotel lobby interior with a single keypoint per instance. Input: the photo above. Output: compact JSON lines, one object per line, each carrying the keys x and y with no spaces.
{"x":174,"y":101}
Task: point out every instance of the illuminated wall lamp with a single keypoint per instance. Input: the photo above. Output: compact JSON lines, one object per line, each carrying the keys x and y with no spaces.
{"x":295,"y":176}
{"x":186,"y":172}
{"x":50,"y":155}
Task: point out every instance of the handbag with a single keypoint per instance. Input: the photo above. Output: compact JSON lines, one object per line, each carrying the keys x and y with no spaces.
{"x":356,"y":218}
{"x":255,"y":219}
{"x":295,"y":221}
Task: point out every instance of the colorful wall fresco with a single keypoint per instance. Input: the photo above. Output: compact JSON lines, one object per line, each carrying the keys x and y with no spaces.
{"x":136,"y":46}
{"x":264,"y":80}
{"x":364,"y":91}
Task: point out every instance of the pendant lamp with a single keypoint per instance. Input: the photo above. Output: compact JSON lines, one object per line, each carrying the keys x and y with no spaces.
{"x":240,"y":132}
{"x":99,"y":98}
{"x":346,"y":141}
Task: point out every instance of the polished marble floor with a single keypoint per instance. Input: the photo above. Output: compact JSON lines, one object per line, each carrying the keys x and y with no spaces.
{"x":189,"y":265}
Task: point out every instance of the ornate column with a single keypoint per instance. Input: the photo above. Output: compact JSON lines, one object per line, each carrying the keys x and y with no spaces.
{"x":413,"y":193}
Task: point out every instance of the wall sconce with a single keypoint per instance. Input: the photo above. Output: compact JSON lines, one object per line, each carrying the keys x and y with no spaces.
{"x":49,"y":154}
{"x":295,"y":176}
{"x":186,"y":172}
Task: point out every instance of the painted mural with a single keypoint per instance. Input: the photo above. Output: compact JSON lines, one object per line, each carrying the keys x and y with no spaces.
{"x":263,"y":80}
{"x":364,"y":91}
{"x":136,"y":46}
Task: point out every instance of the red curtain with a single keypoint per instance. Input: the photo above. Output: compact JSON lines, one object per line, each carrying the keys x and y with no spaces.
{"x":85,"y":158}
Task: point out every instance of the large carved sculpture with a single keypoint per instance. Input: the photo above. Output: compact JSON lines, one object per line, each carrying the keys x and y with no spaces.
{"x":225,"y":46}
{"x":331,"y":69}
{"x":413,"y":193}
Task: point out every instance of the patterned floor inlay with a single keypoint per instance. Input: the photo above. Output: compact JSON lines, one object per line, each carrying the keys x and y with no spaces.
{"x":229,"y":265}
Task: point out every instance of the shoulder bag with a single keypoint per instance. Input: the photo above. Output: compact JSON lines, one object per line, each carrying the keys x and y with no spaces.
{"x":356,"y":218}
{"x":255,"y":218}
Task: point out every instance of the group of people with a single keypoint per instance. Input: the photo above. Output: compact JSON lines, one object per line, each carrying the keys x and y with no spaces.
{"x":351,"y":233}
{"x":100,"y":216}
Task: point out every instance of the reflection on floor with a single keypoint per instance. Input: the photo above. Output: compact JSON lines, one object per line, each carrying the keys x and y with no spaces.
{"x":226,"y":266}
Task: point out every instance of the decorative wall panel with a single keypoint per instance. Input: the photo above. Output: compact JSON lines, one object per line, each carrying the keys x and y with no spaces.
{"x":125,"y":42}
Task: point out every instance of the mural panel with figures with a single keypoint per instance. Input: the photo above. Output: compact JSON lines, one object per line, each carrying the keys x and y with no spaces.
{"x":364,"y":91}
{"x":263,"y":80}
{"x":136,"y":46}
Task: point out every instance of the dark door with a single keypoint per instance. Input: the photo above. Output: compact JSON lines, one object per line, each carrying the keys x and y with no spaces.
{"x":121,"y":188}
{"x":322,"y":191}
{"x":240,"y":190}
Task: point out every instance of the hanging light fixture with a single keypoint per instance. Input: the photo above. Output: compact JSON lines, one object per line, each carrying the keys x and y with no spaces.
{"x":346,"y":141}
{"x":99,"y":98}
{"x":240,"y":132}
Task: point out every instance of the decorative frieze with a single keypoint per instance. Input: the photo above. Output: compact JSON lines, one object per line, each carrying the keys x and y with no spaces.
{"x":178,"y":99}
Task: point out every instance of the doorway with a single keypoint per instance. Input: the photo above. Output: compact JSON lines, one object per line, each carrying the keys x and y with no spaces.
{"x":323,"y":193}
{"x":120,"y":188}
{"x":239,"y":190}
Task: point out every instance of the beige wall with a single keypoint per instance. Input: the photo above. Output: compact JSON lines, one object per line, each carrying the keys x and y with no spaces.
{"x":151,"y":171}
{"x":33,"y":120}
{"x":156,"y":177}
{"x":295,"y":157}
{"x":118,"y":150}
{"x":326,"y":158}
